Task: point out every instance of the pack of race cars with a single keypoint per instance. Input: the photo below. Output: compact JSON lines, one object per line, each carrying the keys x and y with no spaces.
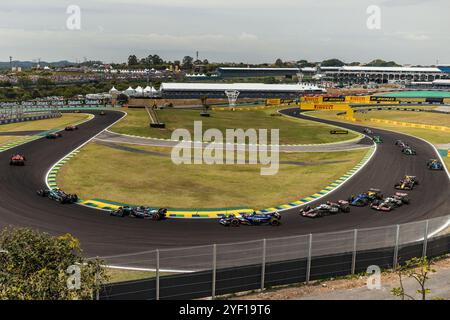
{"x":405,"y":148}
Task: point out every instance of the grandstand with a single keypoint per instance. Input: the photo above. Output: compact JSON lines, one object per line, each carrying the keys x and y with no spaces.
{"x":362,"y":74}
{"x":246,"y":90}
{"x":229,"y":72}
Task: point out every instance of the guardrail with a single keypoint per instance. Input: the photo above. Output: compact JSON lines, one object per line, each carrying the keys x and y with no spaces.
{"x":218,"y":269}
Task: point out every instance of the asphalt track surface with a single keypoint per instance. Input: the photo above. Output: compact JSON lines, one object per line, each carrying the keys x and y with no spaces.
{"x":103,"y":235}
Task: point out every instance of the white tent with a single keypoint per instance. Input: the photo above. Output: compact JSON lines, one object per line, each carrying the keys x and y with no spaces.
{"x":130,"y":91}
{"x":139,"y":90}
{"x":113,"y":90}
{"x":147,"y":89}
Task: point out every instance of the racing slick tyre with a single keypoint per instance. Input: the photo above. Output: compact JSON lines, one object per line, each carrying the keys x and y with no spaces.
{"x":41,"y":193}
{"x":274,"y":222}
{"x":234,"y":223}
{"x":156,"y":216}
{"x":346,"y":209}
{"x":406,"y":200}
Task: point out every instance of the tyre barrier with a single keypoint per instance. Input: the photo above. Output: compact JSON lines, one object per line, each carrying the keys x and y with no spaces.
{"x":31,"y":118}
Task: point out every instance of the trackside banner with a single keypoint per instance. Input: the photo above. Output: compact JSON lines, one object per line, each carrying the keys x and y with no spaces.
{"x":383,"y":99}
{"x":333,"y":99}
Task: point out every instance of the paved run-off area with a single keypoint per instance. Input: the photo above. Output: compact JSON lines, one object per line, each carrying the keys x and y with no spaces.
{"x":146,"y":176}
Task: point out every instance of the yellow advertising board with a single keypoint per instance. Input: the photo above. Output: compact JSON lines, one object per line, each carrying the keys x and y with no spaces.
{"x":273,"y":102}
{"x":358,"y":99}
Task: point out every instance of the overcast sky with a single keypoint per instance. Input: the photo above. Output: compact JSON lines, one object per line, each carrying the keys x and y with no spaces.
{"x":253,"y":31}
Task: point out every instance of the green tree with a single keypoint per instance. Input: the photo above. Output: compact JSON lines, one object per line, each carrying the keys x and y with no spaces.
{"x":279,"y":63}
{"x":122,"y":98}
{"x":382,"y":63}
{"x":132,"y":60}
{"x":417,"y":269}
{"x":35,"y":266}
{"x":188,"y":62}
{"x":332,"y":63}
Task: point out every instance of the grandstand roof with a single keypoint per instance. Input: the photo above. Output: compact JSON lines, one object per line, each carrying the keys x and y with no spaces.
{"x":390,"y":69}
{"x":258,"y":69}
{"x":171,"y":86}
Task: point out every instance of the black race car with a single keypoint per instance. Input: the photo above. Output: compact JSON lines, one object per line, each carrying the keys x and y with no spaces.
{"x":407,"y":183}
{"x":395,"y":201}
{"x":53,"y":135}
{"x":401,"y":144}
{"x":71,"y":128}
{"x":325,"y":209}
{"x":58,"y":195}
{"x":251,"y":219}
{"x":409,"y":151}
{"x":140,"y":212}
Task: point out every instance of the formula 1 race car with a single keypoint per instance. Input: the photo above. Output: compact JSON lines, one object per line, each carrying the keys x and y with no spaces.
{"x":71,"y":128}
{"x":53,"y":135}
{"x":325,"y":209}
{"x":407,"y":183}
{"x":251,"y":219}
{"x":367,"y":131}
{"x":434,"y":164}
{"x":395,"y":201}
{"x":377,"y":139}
{"x":17,"y":160}
{"x":58,"y":195}
{"x":401,"y":144}
{"x":140,"y":212}
{"x":366,"y":198}
{"x":409,"y":151}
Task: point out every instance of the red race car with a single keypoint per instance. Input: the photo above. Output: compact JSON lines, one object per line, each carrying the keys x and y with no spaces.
{"x":71,"y":128}
{"x":17,"y":160}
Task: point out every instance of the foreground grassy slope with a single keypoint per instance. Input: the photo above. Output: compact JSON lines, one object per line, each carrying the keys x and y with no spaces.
{"x":292,"y":131}
{"x":152,"y":179}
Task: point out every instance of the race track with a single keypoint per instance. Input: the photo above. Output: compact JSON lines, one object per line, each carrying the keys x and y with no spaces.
{"x":103,"y":235}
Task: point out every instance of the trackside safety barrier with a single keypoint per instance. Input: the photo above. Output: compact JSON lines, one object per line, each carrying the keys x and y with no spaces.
{"x":214,"y":270}
{"x":412,"y":125}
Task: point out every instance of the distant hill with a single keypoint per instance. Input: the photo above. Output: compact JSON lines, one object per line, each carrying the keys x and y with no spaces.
{"x":30,"y":64}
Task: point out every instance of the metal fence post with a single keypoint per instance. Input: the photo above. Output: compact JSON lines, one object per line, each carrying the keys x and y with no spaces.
{"x":157,"y":274}
{"x":397,"y":236}
{"x":263,"y":265}
{"x":213,"y":293}
{"x":425,"y":240}
{"x":355,"y":240}
{"x":308,"y":265}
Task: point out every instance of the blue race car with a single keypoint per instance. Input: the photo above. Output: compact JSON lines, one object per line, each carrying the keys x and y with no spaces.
{"x":251,"y":219}
{"x":140,"y":212}
{"x":434,"y":164}
{"x":366,"y":198}
{"x":58,"y":195}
